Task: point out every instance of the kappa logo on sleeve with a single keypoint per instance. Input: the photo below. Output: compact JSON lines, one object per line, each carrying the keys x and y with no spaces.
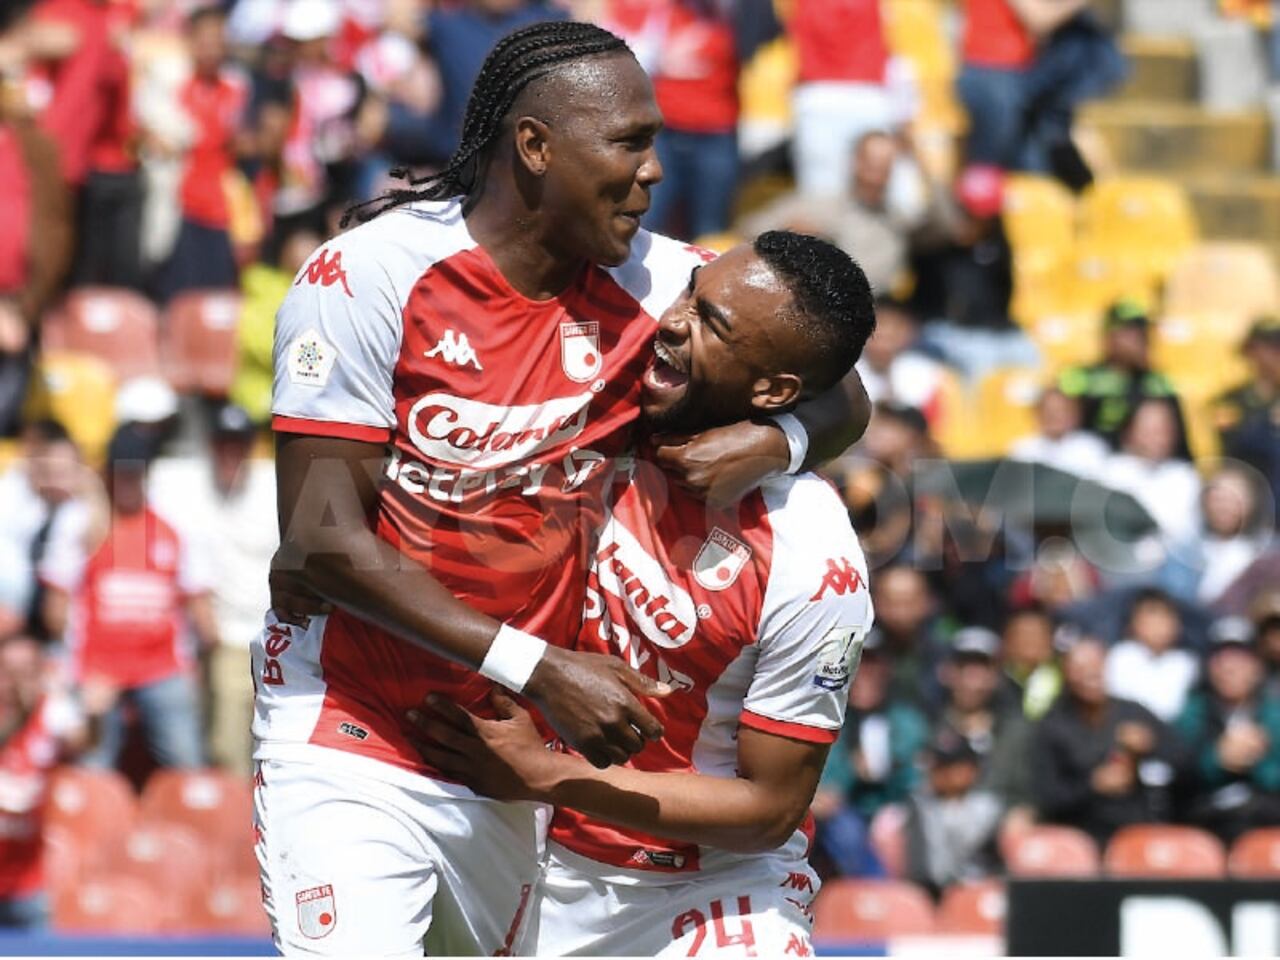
{"x":326,"y":270}
{"x":310,"y":360}
{"x":317,"y":912}
{"x":841,"y":577}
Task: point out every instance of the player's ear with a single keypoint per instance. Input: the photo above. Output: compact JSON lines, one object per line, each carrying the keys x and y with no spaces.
{"x":776,"y":393}
{"x":531,"y":145}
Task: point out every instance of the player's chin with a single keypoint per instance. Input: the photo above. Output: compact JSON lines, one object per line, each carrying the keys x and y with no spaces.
{"x":614,"y":248}
{"x":661,"y":406}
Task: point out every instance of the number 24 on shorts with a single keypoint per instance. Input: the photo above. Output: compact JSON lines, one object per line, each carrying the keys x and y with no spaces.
{"x":697,"y":921}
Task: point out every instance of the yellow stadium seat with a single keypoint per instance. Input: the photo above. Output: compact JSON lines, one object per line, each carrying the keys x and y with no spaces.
{"x":79,"y":391}
{"x":765,"y":84}
{"x":914,"y":31}
{"x":1039,"y":213}
{"x":1146,"y":218}
{"x":1201,"y":353}
{"x":1006,"y":408}
{"x":1066,"y":339}
{"x":9,"y":450}
{"x":1224,"y":279}
{"x":956,"y":429}
{"x":1098,"y":275}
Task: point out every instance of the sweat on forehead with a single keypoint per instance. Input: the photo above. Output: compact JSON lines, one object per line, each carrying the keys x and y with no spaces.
{"x":584,"y":86}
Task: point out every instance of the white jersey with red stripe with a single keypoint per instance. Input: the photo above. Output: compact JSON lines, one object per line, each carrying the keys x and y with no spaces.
{"x":501,"y":413}
{"x":755,"y":614}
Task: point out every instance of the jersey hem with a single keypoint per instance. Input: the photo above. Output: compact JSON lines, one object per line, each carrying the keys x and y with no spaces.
{"x":330,"y":428}
{"x":332,"y":759}
{"x":788,"y":728}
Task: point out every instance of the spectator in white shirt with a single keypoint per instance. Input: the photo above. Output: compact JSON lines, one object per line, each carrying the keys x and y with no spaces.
{"x":1148,"y":468}
{"x":228,"y":505}
{"x":1061,"y":443}
{"x":1149,"y":667}
{"x":892,"y":371}
{"x":1236,"y":530}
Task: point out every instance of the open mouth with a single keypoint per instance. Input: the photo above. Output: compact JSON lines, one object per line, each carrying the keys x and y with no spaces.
{"x":666,"y":371}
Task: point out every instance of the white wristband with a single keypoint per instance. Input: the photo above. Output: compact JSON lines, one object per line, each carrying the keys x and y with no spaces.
{"x":797,"y":439}
{"x":511,"y":658}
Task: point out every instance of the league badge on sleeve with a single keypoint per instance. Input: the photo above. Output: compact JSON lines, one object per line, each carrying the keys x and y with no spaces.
{"x":720,"y":560}
{"x":310,"y":360}
{"x":580,"y":350}
{"x":838,"y":656}
{"x":317,"y":913}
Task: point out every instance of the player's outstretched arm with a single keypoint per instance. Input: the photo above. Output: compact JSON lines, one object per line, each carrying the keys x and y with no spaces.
{"x":756,"y":811}
{"x":724,"y":463}
{"x":327,"y":491}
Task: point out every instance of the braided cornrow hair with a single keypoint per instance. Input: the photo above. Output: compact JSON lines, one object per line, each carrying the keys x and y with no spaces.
{"x":518,"y":59}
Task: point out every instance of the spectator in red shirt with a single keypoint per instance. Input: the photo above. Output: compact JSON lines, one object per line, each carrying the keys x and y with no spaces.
{"x":689,"y":49}
{"x":123,"y":601}
{"x":89,"y":114}
{"x":214,"y":100}
{"x":39,"y":728}
{"x":848,"y":87}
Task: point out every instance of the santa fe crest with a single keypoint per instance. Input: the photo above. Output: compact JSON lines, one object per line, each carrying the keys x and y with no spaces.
{"x":580,"y":350}
{"x":317,"y":913}
{"x":720,"y":560}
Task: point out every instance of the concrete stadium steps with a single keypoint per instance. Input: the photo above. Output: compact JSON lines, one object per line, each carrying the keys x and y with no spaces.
{"x":1164,"y":70}
{"x":1178,"y":138}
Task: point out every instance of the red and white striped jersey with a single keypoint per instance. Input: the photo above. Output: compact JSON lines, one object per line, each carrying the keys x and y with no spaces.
{"x":502,"y":414}
{"x":755,"y":614}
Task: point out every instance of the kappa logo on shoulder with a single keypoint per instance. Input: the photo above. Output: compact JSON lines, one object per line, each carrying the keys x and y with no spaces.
{"x":326,"y":270}
{"x":455,"y":348}
{"x":841,"y":577}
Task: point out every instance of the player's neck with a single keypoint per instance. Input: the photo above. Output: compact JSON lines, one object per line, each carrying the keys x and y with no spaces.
{"x":513,"y":238}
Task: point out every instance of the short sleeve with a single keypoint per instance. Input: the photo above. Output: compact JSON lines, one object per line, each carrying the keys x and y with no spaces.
{"x":337,"y":341}
{"x":817,"y":612}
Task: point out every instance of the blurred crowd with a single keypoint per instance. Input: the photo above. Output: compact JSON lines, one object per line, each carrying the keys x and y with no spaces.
{"x":1020,"y":671}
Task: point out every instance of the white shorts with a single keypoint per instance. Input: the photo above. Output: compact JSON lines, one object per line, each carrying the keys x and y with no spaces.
{"x":353,"y":864}
{"x":757,"y":907}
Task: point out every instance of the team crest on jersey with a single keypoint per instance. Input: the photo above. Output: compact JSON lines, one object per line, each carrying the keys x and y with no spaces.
{"x":317,"y":912}
{"x":580,"y":350}
{"x":720,"y":560}
{"x":311,"y":360}
{"x":839,"y":654}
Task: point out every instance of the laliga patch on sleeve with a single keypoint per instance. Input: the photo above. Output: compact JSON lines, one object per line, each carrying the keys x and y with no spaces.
{"x":310,"y":360}
{"x":838,"y":657}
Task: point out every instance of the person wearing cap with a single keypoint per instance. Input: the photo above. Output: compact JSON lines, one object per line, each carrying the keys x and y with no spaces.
{"x":952,"y":820}
{"x":973,"y":711}
{"x":1110,"y":389}
{"x":1248,"y":416}
{"x":1099,"y":762}
{"x":226,"y":504}
{"x":122,"y":593}
{"x":1233,"y":730}
{"x":871,"y":766}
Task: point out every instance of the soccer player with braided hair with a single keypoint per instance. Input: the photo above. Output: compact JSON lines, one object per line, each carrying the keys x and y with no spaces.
{"x":453,"y":379}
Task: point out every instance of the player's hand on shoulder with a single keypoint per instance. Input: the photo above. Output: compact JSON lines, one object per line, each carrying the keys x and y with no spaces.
{"x":590,"y":700}
{"x":504,"y":759}
{"x":723,"y":464}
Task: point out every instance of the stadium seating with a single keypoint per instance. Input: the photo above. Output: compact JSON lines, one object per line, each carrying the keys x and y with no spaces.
{"x":888,"y":839}
{"x":1148,"y":220}
{"x":62,"y":857}
{"x":230,"y":908}
{"x":1160,"y":850}
{"x":848,"y":910}
{"x":109,"y":905}
{"x":1006,"y":406}
{"x":1051,"y":851}
{"x":216,"y":805}
{"x":1065,"y":338}
{"x":1039,"y":214}
{"x":973,"y":908}
{"x":118,"y":326}
{"x":1098,"y":275}
{"x":91,"y":804}
{"x":1256,"y":855}
{"x":199,"y":341}
{"x":165,"y":856}
{"x":77,"y":390}
{"x":1224,"y":279}
{"x":1201,"y":354}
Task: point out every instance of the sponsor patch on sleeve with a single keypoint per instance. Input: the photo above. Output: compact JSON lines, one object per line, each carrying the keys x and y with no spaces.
{"x":838,"y":657}
{"x":311,"y":360}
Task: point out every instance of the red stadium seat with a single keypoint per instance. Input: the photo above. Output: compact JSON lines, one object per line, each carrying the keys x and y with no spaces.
{"x":95,"y":805}
{"x":199,"y":341}
{"x":888,"y":839}
{"x":63,"y":858}
{"x":973,"y":908}
{"x":849,"y":909}
{"x":165,"y":856}
{"x":232,"y":908}
{"x":216,"y":805}
{"x":1256,"y":854}
{"x":118,"y":326}
{"x":1158,"y":850}
{"x":108,"y":905}
{"x":1049,"y":851}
